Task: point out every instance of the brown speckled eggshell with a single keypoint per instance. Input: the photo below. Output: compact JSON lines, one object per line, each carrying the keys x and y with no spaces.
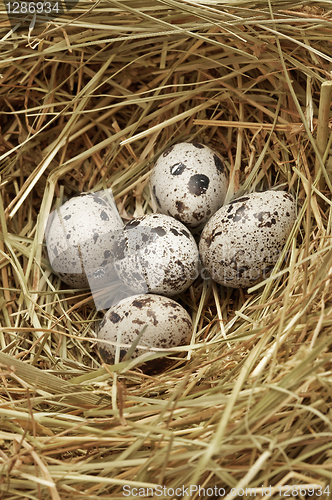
{"x":156,"y":254}
{"x":241,"y":243}
{"x":189,"y":182}
{"x":168,"y":325}
{"x":80,"y":238}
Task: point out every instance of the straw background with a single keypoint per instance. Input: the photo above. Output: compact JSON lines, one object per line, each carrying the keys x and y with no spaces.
{"x":89,"y":102}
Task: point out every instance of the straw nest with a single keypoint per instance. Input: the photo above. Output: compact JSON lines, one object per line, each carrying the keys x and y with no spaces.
{"x":89,"y":102}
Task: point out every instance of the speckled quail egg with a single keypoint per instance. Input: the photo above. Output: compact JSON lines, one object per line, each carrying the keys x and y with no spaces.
{"x":80,"y":237}
{"x":168,"y":325}
{"x":241,"y":242}
{"x":189,"y":182}
{"x":156,"y":254}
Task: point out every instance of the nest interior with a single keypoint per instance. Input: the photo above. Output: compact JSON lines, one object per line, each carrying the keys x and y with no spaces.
{"x":88,"y":101}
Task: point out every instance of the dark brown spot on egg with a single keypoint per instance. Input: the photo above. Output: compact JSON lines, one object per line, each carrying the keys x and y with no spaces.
{"x":103,"y":215}
{"x":140,"y":303}
{"x":288,"y":196}
{"x":103,"y":322}
{"x":198,"y":215}
{"x":198,"y":184}
{"x":264,"y":219}
{"x":152,"y":315}
{"x":67,"y":217}
{"x":107,"y":254}
{"x":114,"y":317}
{"x":239,"y":214}
{"x":95,"y":237}
{"x":180,"y":206}
{"x":209,"y":239}
{"x":219,"y":164}
{"x":96,"y":199}
{"x":138,"y":321}
{"x":177,"y":168}
{"x":245,"y":198}
{"x":185,"y":233}
{"x":167,"y":152}
{"x":155,"y":196}
{"x":132,"y":223}
{"x":174,"y":231}
{"x":187,"y":321}
{"x":160,"y":231}
{"x":171,"y":304}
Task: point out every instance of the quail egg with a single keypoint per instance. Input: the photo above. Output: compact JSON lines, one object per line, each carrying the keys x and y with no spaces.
{"x":168,"y":325}
{"x":241,"y":242}
{"x":80,"y":237}
{"x":189,"y":182}
{"x":156,"y":254}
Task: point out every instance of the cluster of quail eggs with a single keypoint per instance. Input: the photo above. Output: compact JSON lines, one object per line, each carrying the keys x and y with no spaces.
{"x":155,"y":257}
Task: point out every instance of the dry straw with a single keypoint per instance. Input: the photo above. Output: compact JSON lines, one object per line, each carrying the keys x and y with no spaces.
{"x":89,"y":101}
